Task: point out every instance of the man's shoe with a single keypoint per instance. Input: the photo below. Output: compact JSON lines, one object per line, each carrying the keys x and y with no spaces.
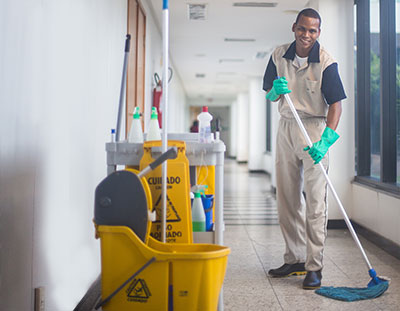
{"x":288,"y":270}
{"x":312,"y":280}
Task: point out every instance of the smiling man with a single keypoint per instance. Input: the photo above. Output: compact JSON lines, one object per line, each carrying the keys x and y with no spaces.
{"x":306,"y":71}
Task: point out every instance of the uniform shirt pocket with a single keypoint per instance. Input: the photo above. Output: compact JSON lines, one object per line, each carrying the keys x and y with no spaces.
{"x":312,"y":87}
{"x":313,"y":98}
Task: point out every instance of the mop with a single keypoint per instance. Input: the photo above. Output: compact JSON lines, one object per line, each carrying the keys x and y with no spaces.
{"x":378,"y":285}
{"x":164,"y":105}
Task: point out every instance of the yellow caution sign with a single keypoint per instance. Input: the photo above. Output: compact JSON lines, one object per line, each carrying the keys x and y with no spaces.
{"x":179,"y":214}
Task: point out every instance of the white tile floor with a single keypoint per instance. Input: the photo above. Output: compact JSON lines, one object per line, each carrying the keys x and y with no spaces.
{"x":256,"y":248}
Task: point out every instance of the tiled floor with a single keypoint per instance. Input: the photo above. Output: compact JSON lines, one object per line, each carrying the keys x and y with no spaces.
{"x":257,"y":246}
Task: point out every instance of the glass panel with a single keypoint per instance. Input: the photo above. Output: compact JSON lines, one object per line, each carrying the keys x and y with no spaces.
{"x":375,"y":89}
{"x":355,"y":85}
{"x":398,"y":86}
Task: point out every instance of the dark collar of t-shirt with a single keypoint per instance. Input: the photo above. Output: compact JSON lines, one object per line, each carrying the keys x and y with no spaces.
{"x":313,"y":56}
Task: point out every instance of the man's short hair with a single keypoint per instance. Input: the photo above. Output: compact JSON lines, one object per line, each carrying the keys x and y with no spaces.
{"x":309,"y":13}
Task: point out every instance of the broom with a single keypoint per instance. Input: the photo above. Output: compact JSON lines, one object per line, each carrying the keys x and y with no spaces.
{"x":378,"y":285}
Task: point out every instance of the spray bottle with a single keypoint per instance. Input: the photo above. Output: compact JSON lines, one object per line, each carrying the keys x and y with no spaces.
{"x":205,"y":126}
{"x":154,"y":129}
{"x":136,"y":133}
{"x":198,"y":215}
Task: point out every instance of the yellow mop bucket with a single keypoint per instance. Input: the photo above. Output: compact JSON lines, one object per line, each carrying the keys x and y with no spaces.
{"x":159,"y":276}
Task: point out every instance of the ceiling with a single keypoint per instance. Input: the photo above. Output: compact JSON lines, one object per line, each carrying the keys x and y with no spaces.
{"x":208,"y":64}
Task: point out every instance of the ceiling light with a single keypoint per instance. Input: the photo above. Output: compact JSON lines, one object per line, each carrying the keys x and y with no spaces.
{"x":294,"y":12}
{"x":238,"y":40}
{"x":231,"y":60}
{"x":197,"y":12}
{"x":200,"y":75}
{"x":256,"y":4}
{"x":226,"y":76}
{"x":219,"y":74}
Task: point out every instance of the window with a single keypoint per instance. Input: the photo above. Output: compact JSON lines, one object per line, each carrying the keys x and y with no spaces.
{"x":375,"y":88}
{"x":378,"y":93}
{"x":398,"y":87}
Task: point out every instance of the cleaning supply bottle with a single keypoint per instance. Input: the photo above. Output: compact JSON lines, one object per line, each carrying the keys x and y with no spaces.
{"x":205,"y":126}
{"x":136,"y":133}
{"x":113,"y":135}
{"x":198,"y":215}
{"x":154,"y":129}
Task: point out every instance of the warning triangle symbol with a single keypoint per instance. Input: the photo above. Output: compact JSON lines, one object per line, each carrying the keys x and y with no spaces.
{"x":139,"y":289}
{"x":172,"y":214}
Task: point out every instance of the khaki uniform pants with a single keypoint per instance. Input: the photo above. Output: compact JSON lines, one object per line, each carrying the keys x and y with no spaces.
{"x":303,"y":221}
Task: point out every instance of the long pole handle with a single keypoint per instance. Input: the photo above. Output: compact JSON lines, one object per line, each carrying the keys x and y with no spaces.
{"x":346,"y":218}
{"x":123,"y":87}
{"x":164,"y":139}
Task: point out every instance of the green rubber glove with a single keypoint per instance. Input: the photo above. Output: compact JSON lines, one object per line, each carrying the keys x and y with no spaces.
{"x":320,"y":148}
{"x":279,"y":87}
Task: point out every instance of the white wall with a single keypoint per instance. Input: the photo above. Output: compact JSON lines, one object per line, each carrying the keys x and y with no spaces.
{"x":177,"y":102}
{"x":59,"y":88}
{"x":341,"y":47}
{"x":269,"y":158}
{"x":377,"y":211}
{"x":61,"y":64}
{"x":178,"y":110}
{"x":257,"y":124}
{"x":232,"y":152}
{"x":242,"y":134}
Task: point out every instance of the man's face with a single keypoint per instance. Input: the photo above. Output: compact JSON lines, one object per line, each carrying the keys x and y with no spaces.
{"x":306,"y":32}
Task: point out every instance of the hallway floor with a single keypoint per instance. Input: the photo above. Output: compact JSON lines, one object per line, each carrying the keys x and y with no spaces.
{"x":257,"y":245}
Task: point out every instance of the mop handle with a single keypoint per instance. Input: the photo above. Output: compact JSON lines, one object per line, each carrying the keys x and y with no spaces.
{"x":346,"y":219}
{"x":123,"y":87}
{"x":164,"y":134}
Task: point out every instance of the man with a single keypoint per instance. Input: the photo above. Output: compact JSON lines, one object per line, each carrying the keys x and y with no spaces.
{"x":311,"y":77}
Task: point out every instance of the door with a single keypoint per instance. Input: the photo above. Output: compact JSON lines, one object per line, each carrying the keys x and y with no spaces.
{"x":136,"y":65}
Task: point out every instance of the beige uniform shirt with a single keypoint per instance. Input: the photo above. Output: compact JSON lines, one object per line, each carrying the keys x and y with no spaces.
{"x":314,"y":85}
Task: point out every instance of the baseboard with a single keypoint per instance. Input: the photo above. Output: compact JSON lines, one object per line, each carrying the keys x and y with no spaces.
{"x":336,"y":224}
{"x":387,"y":245}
